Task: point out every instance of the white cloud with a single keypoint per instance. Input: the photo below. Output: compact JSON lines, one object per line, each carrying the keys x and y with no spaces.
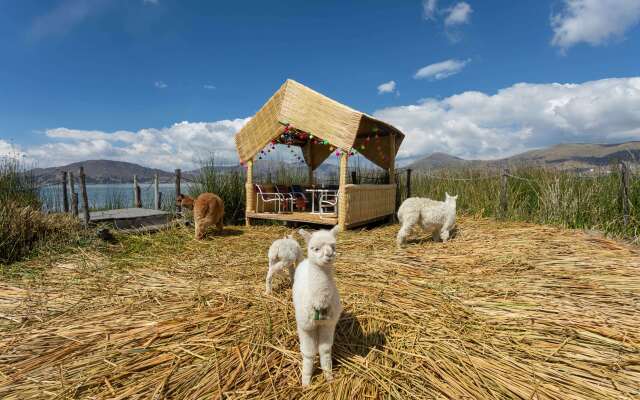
{"x":178,"y":146}
{"x":6,"y":148}
{"x":388,"y":87}
{"x":519,"y":118}
{"x":441,"y":70}
{"x":458,"y":14}
{"x":154,"y":2}
{"x":209,"y":87}
{"x":429,"y":8}
{"x":64,"y":16}
{"x":160,"y":85}
{"x":593,"y":21}
{"x":470,"y":125}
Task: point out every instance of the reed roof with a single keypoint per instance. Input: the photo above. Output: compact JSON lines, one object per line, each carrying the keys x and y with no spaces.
{"x":309,"y":111}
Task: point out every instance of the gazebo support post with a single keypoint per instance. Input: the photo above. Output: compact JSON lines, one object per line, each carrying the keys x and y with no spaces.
{"x":309,"y":158}
{"x":342,"y":198}
{"x":251,"y":198}
{"x":392,"y":171}
{"x":392,"y":158}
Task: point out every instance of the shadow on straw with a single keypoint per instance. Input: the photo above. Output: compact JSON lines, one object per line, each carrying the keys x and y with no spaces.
{"x":427,"y":236}
{"x":228,"y":232}
{"x":351,"y":340}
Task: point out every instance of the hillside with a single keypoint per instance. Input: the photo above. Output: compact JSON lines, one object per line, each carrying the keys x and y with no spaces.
{"x":103,"y":171}
{"x":577,"y":156}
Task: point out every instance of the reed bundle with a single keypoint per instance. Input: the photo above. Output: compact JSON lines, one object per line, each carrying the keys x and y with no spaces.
{"x":504,"y":310}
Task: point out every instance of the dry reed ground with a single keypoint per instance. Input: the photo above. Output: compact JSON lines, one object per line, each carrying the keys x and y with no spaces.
{"x":505,"y":310}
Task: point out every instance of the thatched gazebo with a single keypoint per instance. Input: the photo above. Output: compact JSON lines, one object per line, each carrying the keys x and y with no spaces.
{"x":299,"y":116}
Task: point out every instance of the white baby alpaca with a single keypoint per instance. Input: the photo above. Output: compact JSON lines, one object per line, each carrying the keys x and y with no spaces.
{"x":437,"y":216}
{"x":317,"y":301}
{"x":283,"y":254}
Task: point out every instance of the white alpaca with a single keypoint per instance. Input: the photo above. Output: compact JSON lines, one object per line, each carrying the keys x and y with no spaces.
{"x":436,"y":216}
{"x":317,"y":301}
{"x":283,"y":254}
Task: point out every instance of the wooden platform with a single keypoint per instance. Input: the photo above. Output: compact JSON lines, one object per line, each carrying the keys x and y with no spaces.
{"x":304,"y":217}
{"x":131,"y":218}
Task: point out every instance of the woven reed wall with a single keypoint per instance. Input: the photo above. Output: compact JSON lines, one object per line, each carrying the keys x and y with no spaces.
{"x":367,"y":202}
{"x":262,"y":128}
{"x":312,"y":112}
{"x":318,"y":154}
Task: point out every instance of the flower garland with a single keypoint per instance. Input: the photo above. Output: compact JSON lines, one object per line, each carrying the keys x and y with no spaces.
{"x":292,"y":136}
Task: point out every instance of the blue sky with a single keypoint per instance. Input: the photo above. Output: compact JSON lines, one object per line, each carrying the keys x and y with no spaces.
{"x":158,"y":81}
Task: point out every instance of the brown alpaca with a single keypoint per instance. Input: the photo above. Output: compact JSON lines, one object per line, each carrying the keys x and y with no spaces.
{"x":208,"y":210}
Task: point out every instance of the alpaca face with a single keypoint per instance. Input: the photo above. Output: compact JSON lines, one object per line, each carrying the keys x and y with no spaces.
{"x":321,"y":246}
{"x":184,"y":201}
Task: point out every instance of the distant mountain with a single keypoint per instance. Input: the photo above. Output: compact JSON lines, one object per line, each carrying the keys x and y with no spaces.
{"x":439,"y":161}
{"x":103,"y":171}
{"x":563,"y":156}
{"x":578,"y":156}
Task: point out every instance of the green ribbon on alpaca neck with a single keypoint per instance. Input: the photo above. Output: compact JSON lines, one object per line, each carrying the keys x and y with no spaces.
{"x":320,"y":314}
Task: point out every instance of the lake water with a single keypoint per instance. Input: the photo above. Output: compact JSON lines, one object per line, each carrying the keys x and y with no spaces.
{"x":111,"y":196}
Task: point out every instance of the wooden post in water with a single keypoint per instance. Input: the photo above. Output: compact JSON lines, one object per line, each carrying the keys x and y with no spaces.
{"x":156,"y":182}
{"x":408,"y":183}
{"x":624,"y":192}
{"x":74,"y":195}
{"x":178,"y":207}
{"x":85,"y":197}
{"x":65,"y":195}
{"x":504,"y":200}
{"x":137,"y":202}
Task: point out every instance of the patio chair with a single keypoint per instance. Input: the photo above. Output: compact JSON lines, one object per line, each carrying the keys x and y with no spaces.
{"x":301,"y":198}
{"x":286,"y":194}
{"x":267,"y":197}
{"x":328,"y":202}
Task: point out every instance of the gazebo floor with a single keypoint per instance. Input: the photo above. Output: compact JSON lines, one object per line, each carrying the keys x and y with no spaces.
{"x":296,"y":216}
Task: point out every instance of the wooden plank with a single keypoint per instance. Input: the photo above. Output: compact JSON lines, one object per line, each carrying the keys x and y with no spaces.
{"x":65,"y":198}
{"x":156,"y":191}
{"x":178,"y":192}
{"x":85,"y":197}
{"x":74,"y":195}
{"x":125,"y":213}
{"x":321,"y":219}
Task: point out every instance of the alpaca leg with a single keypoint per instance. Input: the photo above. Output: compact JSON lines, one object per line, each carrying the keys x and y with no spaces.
{"x":325,"y":343}
{"x":408,"y":222}
{"x":435,"y":235}
{"x":220,"y":225}
{"x":444,"y":234}
{"x":274,"y":268}
{"x":198,"y":226}
{"x":204,"y":227}
{"x":292,"y":273}
{"x":268,"y":282}
{"x":308,"y":348}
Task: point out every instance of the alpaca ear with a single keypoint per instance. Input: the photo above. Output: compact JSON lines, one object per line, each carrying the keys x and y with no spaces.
{"x":305,"y":235}
{"x":334,"y":231}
